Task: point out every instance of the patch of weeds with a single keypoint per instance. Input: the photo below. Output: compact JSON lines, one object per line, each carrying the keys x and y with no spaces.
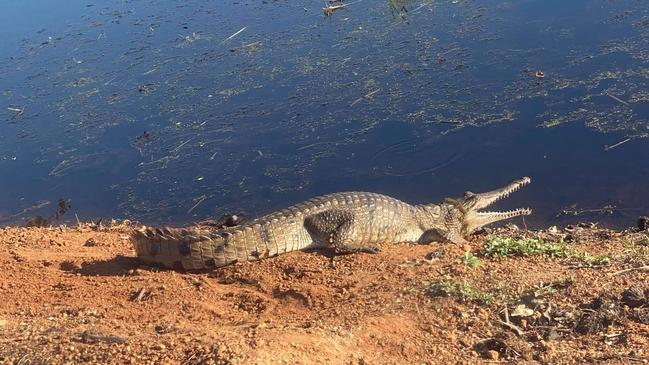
{"x":590,"y":260}
{"x":640,"y":239}
{"x":469,"y":260}
{"x":644,"y":241}
{"x":507,"y":247}
{"x":598,"y":315}
{"x":636,"y":250}
{"x":536,"y":296}
{"x":559,"y":284}
{"x":462,"y":290}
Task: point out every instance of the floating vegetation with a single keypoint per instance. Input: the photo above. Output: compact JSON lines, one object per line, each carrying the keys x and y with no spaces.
{"x":332,"y":6}
{"x":63,"y":206}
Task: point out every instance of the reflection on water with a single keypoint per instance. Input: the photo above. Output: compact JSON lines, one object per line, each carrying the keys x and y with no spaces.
{"x":166,"y":112}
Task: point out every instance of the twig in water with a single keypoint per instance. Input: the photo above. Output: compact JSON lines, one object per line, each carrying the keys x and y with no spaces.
{"x":356,"y":101}
{"x":366,"y":96}
{"x":617,"y":99}
{"x":38,"y":205}
{"x":574,"y":211}
{"x":235,"y":34}
{"x":180,"y":145}
{"x":200,"y":200}
{"x":606,"y":148}
{"x":335,"y":5}
{"x":18,"y":111}
{"x":371,"y":93}
{"x":329,"y":9}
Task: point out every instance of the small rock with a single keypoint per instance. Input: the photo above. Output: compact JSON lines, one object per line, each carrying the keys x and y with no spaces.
{"x":549,"y":347}
{"x":493,"y":355}
{"x":643,"y":223}
{"x":552,"y":335}
{"x":522,"y":310}
{"x":524,"y":323}
{"x":164,"y":328}
{"x":159,"y":347}
{"x":439,"y":252}
{"x":90,"y":242}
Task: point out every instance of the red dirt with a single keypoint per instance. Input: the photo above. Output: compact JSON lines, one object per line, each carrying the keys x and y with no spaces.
{"x":78,"y":295}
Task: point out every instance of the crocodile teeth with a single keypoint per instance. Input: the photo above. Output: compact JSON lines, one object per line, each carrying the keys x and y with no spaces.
{"x":514,"y":187}
{"x":508,"y":214}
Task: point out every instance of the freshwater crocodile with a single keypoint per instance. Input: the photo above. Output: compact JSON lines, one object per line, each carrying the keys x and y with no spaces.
{"x":347,"y":222}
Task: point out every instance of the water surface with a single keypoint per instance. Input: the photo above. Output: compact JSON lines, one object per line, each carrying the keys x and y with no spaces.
{"x":168,"y":112}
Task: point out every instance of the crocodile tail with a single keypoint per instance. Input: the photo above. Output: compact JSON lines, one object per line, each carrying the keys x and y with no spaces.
{"x":173,"y":248}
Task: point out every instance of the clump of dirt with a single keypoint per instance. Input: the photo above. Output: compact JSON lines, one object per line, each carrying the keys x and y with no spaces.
{"x":597,"y":316}
{"x":78,"y":294}
{"x":636,"y":299}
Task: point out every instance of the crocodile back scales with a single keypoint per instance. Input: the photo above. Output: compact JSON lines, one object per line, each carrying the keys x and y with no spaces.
{"x":377,"y":219}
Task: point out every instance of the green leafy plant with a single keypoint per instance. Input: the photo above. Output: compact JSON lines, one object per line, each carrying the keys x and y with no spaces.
{"x":509,"y":247}
{"x":469,"y":260}
{"x":505,"y":247}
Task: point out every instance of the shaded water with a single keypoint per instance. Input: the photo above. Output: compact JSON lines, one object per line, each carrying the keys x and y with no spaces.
{"x":170,"y":112}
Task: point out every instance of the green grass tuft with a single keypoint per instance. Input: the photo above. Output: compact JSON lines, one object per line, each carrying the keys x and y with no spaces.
{"x":469,"y":260}
{"x":461,"y":290}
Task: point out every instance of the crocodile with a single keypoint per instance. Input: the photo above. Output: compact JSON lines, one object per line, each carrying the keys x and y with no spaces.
{"x":348,"y":222}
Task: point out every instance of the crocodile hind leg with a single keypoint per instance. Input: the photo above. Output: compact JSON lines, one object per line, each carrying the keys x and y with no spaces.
{"x":335,"y":227}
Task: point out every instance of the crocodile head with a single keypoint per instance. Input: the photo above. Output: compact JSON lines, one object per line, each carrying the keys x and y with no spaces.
{"x":468,"y":210}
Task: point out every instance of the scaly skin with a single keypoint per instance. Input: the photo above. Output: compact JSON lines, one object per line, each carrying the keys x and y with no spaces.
{"x":347,"y":222}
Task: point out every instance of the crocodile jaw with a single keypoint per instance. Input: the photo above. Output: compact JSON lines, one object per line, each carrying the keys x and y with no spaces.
{"x":475,"y":219}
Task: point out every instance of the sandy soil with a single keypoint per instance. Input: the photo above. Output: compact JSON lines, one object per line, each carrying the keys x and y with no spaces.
{"x":78,"y":295}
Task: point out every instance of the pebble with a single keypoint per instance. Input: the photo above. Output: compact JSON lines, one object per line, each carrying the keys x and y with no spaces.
{"x":493,"y":355}
{"x":90,"y":242}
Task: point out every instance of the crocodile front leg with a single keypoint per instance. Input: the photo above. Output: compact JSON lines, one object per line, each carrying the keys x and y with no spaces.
{"x":335,"y":227}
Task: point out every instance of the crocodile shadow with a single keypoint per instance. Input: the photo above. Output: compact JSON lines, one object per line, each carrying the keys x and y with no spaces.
{"x":116,"y":266}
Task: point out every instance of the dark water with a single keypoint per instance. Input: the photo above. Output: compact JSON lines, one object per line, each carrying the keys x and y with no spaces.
{"x":157,"y":111}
